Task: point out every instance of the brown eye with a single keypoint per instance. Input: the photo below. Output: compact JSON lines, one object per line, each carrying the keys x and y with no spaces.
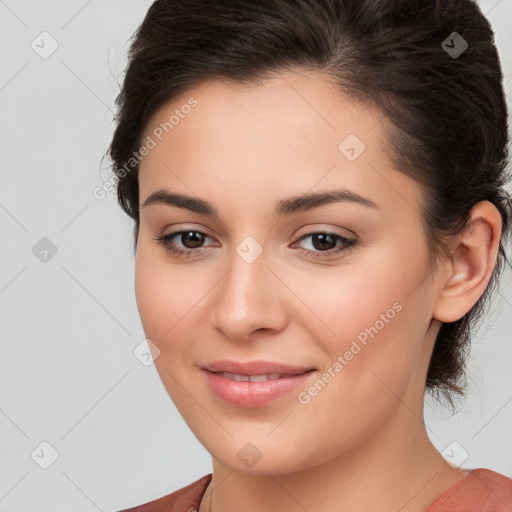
{"x":196,"y":239}
{"x":191,"y":242}
{"x":324,"y":243}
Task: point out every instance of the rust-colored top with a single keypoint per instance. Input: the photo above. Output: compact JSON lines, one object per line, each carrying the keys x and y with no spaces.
{"x":481,"y":490}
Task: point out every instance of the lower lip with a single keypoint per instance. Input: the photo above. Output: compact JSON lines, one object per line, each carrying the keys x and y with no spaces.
{"x":253,"y":394}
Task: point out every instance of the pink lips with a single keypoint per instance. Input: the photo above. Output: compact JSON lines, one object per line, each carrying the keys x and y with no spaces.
{"x":249,"y":394}
{"x":253,"y":367}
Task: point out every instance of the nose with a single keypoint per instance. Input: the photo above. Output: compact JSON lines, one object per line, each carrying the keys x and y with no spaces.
{"x":250,"y":297}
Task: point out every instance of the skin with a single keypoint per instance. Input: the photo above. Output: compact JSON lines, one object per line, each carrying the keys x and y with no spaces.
{"x":360,"y":444}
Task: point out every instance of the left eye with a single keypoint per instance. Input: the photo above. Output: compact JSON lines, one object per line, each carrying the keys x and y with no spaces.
{"x":192,"y":240}
{"x":322,"y":242}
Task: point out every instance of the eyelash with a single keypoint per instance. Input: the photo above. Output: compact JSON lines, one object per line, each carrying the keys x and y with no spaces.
{"x":348,"y":244}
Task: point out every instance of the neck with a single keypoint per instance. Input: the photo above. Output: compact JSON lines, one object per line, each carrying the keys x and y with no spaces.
{"x":398,"y":469}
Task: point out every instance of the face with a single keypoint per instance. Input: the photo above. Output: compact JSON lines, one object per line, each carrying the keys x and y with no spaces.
{"x":334,"y":290}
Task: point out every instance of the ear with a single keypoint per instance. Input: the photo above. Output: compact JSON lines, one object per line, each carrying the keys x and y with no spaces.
{"x":472,"y":260}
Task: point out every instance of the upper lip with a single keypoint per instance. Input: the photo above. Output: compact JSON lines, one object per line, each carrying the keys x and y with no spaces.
{"x":254,"y":367}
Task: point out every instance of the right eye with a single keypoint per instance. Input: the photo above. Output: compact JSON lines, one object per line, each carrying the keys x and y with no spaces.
{"x":192,"y":237}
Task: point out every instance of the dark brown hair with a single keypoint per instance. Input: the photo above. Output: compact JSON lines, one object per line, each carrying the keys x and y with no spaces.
{"x":443,"y":106}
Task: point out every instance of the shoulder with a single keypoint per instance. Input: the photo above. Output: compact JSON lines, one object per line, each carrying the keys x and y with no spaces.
{"x":481,"y":490}
{"x":186,"y":499}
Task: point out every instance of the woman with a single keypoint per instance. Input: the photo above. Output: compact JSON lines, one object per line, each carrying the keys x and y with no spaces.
{"x":317,"y":190}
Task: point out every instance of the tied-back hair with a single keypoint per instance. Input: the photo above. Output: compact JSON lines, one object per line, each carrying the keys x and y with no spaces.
{"x":444,"y":115}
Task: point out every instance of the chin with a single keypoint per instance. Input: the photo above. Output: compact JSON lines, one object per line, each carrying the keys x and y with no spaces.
{"x":260,"y":456}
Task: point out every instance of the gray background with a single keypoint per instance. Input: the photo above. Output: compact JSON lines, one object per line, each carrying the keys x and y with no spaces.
{"x":69,"y":326}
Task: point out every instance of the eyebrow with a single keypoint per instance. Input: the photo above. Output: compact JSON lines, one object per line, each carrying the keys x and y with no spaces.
{"x":283,"y":207}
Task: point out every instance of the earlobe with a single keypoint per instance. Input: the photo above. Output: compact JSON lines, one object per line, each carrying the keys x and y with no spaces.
{"x":471,"y":264}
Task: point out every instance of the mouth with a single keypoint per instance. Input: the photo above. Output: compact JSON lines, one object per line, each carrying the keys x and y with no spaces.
{"x":254,"y":384}
{"x":257,"y":378}
{"x":255,"y":368}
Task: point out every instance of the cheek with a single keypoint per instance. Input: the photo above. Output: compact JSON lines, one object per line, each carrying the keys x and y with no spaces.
{"x":165,"y":300}
{"x":365,"y":314}
{"x":164,"y":297}
{"x":342,"y":302}
{"x":155,"y":304}
{"x":370,"y":329}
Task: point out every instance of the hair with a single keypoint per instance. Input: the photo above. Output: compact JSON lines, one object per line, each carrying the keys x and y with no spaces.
{"x":445,"y":115}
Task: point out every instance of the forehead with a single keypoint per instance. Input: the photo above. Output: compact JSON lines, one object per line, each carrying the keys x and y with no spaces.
{"x":288,"y":133}
{"x":285,"y":100}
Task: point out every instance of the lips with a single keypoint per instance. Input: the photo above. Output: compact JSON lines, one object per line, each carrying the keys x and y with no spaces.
{"x":254,"y":378}
{"x":255,"y":383}
{"x":256,"y":368}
